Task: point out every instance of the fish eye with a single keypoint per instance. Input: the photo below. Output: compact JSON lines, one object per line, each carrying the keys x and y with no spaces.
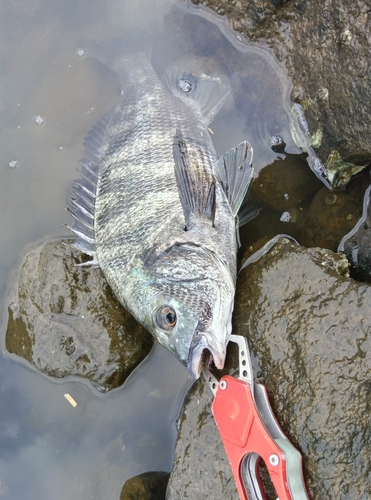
{"x":165,"y":317}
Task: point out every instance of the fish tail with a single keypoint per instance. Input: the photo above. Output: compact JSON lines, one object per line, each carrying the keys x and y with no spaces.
{"x":115,"y":53}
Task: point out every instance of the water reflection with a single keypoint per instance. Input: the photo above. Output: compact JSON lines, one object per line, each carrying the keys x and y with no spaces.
{"x":51,"y":93}
{"x":48,"y":449}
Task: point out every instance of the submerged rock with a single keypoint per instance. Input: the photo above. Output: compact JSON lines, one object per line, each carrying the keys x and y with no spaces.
{"x":330,"y":215}
{"x":285,"y":183}
{"x":329,"y":67}
{"x":314,"y":218}
{"x":146,"y":486}
{"x":64,"y":319}
{"x":309,"y":335}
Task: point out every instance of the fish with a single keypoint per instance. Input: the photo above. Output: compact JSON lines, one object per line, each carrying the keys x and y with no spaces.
{"x":157,"y":210}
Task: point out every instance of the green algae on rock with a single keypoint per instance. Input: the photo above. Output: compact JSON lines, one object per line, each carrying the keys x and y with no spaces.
{"x":340,"y":171}
{"x":309,"y":336}
{"x":64,"y":319}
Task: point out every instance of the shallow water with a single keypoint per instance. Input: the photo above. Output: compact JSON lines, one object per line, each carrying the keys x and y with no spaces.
{"x":51,"y":93}
{"x":49,"y":449}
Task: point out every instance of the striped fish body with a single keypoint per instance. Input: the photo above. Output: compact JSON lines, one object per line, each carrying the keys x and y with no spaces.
{"x":160,"y":221}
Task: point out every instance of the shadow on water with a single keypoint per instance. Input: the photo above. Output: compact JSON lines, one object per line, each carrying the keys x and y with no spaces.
{"x":51,"y":93}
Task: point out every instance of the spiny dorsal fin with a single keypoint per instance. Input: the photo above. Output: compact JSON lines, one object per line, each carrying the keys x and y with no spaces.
{"x":83,"y":200}
{"x":196,"y":187}
{"x":209,"y":94}
{"x":234,"y":171}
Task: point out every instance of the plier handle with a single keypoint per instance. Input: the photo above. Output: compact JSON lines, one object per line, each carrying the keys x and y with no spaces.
{"x":250,"y":432}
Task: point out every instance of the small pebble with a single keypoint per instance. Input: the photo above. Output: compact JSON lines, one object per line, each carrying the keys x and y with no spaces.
{"x":285,"y":217}
{"x":277,"y":144}
{"x":346,"y":37}
{"x":185,"y":85}
{"x":330,"y":199}
{"x":322,"y":95}
{"x":39,"y":120}
{"x":81,"y":52}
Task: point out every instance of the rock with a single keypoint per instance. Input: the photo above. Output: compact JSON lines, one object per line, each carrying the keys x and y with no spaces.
{"x":285,"y":183}
{"x":331,"y":215}
{"x":201,"y":466}
{"x":284,"y":189}
{"x":65,"y":320}
{"x":309,"y":335}
{"x":320,"y":218}
{"x":147,"y":486}
{"x":357,"y":243}
{"x":329,"y":67}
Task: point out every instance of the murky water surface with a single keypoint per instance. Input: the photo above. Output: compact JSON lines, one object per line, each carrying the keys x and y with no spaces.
{"x":51,"y":93}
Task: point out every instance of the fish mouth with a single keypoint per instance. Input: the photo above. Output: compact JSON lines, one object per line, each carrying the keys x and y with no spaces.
{"x":201,"y":354}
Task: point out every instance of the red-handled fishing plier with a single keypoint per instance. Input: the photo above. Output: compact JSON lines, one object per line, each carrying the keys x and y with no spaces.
{"x":250,"y":432}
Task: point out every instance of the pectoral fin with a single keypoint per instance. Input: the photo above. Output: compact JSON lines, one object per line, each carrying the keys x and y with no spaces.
{"x":196,"y":187}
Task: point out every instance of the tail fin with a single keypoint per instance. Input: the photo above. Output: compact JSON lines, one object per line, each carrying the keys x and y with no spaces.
{"x":115,"y":53}
{"x":138,"y":23}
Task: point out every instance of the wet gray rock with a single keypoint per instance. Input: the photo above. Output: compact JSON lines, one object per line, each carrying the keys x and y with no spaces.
{"x":201,"y":468}
{"x":357,"y":243}
{"x":325,"y":47}
{"x":64,"y":319}
{"x":309,"y":333}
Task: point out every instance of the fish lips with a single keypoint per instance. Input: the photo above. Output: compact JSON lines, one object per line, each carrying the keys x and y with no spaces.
{"x":202,"y":351}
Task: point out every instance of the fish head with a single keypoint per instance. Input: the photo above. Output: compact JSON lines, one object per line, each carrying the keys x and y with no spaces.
{"x":190,"y":303}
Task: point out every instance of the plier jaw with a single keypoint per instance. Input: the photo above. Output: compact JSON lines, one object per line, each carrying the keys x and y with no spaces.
{"x":250,"y":432}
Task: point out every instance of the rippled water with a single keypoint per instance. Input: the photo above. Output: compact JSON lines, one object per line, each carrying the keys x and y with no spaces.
{"x":51,"y":93}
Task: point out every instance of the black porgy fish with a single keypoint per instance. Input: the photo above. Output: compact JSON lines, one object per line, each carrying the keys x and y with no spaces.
{"x":157,"y":210}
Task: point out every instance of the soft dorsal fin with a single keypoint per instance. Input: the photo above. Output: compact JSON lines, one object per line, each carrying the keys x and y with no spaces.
{"x":83,"y":201}
{"x":234,"y":171}
{"x":209,"y":94}
{"x":196,"y":187}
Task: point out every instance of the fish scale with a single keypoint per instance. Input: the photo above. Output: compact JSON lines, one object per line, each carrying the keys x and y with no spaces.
{"x":160,"y":217}
{"x":151,"y":198}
